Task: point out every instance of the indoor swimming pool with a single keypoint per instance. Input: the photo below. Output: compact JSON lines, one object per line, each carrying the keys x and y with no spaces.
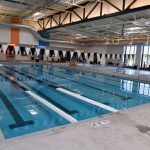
{"x":35,"y":97}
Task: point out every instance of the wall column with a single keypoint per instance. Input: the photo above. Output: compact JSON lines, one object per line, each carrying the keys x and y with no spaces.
{"x":138,"y":55}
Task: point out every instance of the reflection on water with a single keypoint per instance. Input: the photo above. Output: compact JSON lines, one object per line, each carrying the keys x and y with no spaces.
{"x":130,"y":86}
{"x":144,"y":89}
{"x":127,"y":85}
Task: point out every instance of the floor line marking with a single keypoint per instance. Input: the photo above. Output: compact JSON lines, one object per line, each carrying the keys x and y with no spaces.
{"x":88,"y":100}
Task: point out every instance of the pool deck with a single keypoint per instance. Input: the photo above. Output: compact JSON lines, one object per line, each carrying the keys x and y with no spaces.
{"x":126,"y":130}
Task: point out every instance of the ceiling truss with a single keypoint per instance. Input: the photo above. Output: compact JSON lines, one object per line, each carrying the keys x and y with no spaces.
{"x":90,"y":10}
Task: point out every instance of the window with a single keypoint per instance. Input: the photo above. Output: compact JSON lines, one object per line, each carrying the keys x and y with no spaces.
{"x":129,"y":55}
{"x":145,"y":56}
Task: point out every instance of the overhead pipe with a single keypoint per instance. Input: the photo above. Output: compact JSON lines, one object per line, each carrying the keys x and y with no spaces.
{"x":36,"y":35}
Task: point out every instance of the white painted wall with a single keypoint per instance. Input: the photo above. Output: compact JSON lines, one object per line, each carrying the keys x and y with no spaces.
{"x":116,"y":49}
{"x":96,"y":49}
{"x":27,"y":37}
{"x":67,"y":47}
{"x":5,"y":35}
{"x":138,"y":56}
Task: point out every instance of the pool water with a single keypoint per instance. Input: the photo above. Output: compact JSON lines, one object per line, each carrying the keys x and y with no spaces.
{"x":20,"y":113}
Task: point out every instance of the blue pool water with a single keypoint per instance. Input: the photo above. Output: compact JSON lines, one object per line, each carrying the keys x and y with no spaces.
{"x":21,"y":114}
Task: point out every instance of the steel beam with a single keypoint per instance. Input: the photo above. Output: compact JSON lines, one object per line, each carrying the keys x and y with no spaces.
{"x":59,"y":22}
{"x":134,"y":1}
{"x":111,"y":4}
{"x":92,"y":10}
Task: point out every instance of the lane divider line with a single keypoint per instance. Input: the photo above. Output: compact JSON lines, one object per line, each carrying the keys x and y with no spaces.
{"x":51,"y":106}
{"x":88,"y":100}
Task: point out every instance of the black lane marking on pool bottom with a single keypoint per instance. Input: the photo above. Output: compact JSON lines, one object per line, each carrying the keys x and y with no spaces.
{"x":83,"y":77}
{"x":95,"y":73}
{"x":88,"y":72}
{"x":97,"y":77}
{"x":86,"y":78}
{"x":14,"y":113}
{"x":110,"y":76}
{"x":108,"y":92}
{"x":54,"y":102}
{"x":53,"y":85}
{"x":43,"y":95}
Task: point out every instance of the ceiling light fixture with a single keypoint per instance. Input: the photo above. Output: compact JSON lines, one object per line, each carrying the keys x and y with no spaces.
{"x":73,"y":3}
{"x":80,"y":36}
{"x":133,"y":28}
{"x":37,"y":14}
